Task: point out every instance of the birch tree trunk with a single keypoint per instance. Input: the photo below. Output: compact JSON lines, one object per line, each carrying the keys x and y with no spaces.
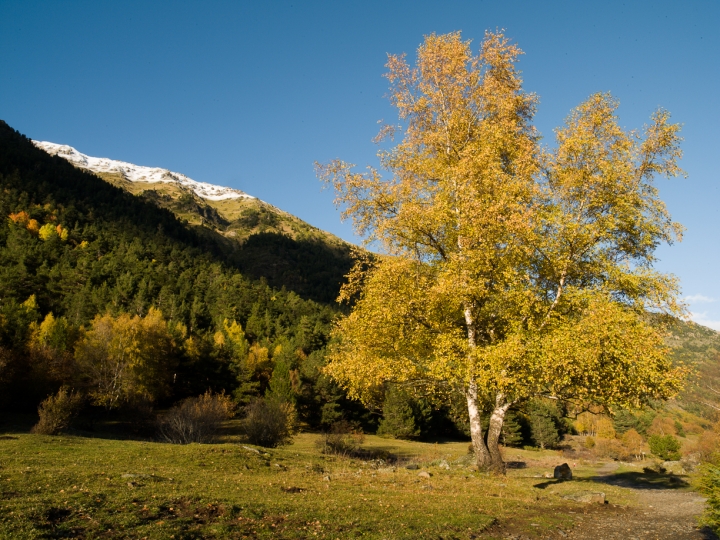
{"x":493,"y":437}
{"x":482,"y":456}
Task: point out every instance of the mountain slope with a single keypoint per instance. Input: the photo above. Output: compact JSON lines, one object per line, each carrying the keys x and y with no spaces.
{"x":79,"y":255}
{"x":699,"y":348}
{"x":260,"y":239}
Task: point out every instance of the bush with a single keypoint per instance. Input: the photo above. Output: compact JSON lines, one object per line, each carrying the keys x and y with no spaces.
{"x":665,"y":447}
{"x":709,"y":485}
{"x":196,"y":420}
{"x":589,"y":442}
{"x":269,"y":422}
{"x":613,"y":449}
{"x":343,"y":439}
{"x":57,"y":412}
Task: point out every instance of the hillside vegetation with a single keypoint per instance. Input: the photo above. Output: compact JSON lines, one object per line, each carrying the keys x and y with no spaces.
{"x":260,"y":239}
{"x":83,"y":262}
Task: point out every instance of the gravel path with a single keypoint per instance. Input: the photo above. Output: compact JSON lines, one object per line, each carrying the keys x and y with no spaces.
{"x":661,"y":514}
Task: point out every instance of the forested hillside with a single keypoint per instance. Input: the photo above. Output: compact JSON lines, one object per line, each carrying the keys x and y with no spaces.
{"x":256,"y":237}
{"x":106,"y":292}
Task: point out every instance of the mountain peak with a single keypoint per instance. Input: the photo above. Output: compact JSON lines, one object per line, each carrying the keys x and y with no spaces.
{"x":138,"y":173}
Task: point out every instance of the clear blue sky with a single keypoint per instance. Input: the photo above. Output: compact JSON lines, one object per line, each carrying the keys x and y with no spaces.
{"x":249,"y":94}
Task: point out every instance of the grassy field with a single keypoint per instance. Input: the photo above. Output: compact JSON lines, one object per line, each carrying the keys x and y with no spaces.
{"x":80,"y":487}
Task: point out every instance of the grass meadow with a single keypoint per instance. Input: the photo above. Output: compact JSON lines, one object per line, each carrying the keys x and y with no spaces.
{"x":73,"y":486}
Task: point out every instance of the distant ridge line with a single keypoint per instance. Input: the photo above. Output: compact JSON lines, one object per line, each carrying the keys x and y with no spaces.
{"x":139,"y":173}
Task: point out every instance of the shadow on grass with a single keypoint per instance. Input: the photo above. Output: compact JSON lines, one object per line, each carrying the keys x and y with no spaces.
{"x":636,"y":480}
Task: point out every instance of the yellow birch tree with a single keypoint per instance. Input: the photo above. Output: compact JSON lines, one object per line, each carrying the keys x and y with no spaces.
{"x":510,"y":271}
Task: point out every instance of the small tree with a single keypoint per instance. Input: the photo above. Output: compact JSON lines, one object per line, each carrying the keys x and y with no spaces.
{"x":123,"y":358}
{"x":398,"y":418}
{"x":544,"y":420}
{"x":633,"y":442}
{"x":511,"y":431}
{"x":665,"y":447}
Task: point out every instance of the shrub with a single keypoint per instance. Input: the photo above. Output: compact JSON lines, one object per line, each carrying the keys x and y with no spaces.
{"x":709,"y":485}
{"x":613,"y":449}
{"x":343,"y":439}
{"x":196,"y":420}
{"x":57,"y":412}
{"x":589,"y":442}
{"x":269,"y":422}
{"x":665,"y":447}
{"x":707,"y":445}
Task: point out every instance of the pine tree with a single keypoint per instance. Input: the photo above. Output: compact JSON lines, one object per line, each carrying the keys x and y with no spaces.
{"x":398,"y":419}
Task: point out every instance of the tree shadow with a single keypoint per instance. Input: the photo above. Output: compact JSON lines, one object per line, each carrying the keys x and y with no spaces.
{"x":632,"y":479}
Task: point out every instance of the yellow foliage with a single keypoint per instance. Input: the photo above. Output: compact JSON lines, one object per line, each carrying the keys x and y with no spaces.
{"x":30,"y":303}
{"x":633,"y":442}
{"x":47,"y":231}
{"x":21,"y":218}
{"x":33,"y":226}
{"x":515,"y":271}
{"x":126,"y":357}
{"x":61,"y":232}
{"x":605,"y":429}
{"x":662,"y":425}
{"x":257,"y":358}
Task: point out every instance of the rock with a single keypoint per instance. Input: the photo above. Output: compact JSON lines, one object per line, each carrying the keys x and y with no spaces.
{"x":444,"y":465}
{"x":412,"y":467}
{"x":587,"y":497}
{"x":563,"y":472}
{"x":326,"y":478}
{"x":424,"y":474}
{"x":548,"y":475}
{"x":386,"y":470}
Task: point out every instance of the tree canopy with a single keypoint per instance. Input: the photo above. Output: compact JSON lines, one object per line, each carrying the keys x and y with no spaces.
{"x":511,"y":270}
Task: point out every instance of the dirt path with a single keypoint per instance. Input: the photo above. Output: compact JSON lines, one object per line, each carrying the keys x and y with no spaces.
{"x":662,"y":513}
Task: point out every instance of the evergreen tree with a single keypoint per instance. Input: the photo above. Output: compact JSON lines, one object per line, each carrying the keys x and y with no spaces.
{"x":512,"y":431}
{"x":398,"y":419}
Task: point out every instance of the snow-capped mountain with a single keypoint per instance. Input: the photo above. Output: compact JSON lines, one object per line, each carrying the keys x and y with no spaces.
{"x":138,"y":173}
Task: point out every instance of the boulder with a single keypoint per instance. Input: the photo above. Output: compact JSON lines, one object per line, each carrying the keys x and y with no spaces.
{"x":588,"y":497}
{"x":424,"y":474}
{"x":563,"y":472}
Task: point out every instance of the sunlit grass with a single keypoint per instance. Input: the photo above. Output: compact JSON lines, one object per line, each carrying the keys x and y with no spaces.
{"x":70,"y":486}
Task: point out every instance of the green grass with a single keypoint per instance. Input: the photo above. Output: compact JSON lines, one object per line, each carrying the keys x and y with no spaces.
{"x":71,"y":486}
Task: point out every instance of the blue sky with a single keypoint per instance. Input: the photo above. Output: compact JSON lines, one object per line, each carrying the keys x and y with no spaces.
{"x":249,"y":94}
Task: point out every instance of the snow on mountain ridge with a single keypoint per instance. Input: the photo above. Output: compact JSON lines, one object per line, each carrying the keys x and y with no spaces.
{"x":138,"y":173}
